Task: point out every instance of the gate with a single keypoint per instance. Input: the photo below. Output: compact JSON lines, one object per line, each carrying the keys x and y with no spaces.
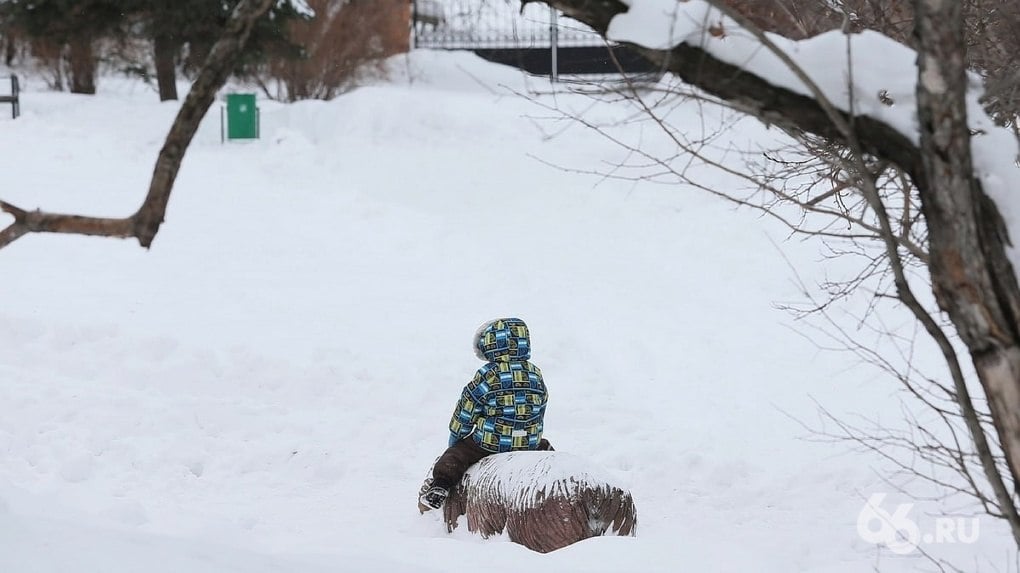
{"x":538,"y":39}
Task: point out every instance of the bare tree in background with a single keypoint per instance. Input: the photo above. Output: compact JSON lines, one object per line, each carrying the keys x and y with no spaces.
{"x":920,"y":204}
{"x":144,"y":223}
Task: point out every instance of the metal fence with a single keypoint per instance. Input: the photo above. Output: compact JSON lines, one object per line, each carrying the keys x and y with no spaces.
{"x":495,"y":24}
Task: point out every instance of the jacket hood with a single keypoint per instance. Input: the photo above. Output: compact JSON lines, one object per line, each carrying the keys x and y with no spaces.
{"x":503,"y":340}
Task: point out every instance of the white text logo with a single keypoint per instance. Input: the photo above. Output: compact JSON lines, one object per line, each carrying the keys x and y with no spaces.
{"x":901,"y":534}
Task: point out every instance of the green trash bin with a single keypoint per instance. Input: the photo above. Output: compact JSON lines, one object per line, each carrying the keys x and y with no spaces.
{"x":242,"y":117}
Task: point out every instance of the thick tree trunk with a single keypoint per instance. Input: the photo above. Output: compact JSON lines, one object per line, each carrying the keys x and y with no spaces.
{"x":164,"y":54}
{"x":83,"y":64}
{"x":973,"y":279}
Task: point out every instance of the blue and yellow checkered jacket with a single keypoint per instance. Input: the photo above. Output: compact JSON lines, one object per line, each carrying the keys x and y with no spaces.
{"x":503,"y":406}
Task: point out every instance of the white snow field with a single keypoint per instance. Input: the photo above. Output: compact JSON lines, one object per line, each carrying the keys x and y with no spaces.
{"x":264,"y":389}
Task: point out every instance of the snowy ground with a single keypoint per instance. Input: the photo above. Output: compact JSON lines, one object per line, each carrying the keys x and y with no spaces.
{"x":264,"y":389}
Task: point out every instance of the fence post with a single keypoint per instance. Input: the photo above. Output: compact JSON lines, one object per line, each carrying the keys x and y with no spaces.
{"x":554,"y":36}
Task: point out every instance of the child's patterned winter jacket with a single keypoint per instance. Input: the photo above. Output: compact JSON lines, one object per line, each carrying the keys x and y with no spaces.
{"x":502,"y":408}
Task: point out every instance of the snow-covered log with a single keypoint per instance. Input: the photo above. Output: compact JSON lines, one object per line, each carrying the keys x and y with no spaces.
{"x":542,"y":500}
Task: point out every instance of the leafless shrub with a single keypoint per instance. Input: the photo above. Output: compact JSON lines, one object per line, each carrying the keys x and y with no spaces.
{"x":50,"y":56}
{"x":345,"y":42}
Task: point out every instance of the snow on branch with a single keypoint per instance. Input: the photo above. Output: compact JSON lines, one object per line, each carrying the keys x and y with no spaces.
{"x":862,"y":74}
{"x":299,"y":6}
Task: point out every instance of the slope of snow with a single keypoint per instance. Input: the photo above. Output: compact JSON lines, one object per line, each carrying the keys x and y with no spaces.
{"x":264,"y":389}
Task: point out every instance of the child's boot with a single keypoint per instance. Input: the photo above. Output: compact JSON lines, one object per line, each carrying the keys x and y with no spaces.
{"x":433,"y":498}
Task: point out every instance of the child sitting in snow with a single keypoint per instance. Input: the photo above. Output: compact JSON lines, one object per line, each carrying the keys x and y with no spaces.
{"x":500,"y":410}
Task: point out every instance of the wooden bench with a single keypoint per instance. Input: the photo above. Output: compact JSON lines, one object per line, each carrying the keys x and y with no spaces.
{"x":13,"y":98}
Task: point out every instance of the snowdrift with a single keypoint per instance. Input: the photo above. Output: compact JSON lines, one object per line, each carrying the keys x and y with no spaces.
{"x":543,"y":500}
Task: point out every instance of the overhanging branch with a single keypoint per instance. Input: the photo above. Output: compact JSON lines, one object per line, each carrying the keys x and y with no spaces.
{"x":753,"y":94}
